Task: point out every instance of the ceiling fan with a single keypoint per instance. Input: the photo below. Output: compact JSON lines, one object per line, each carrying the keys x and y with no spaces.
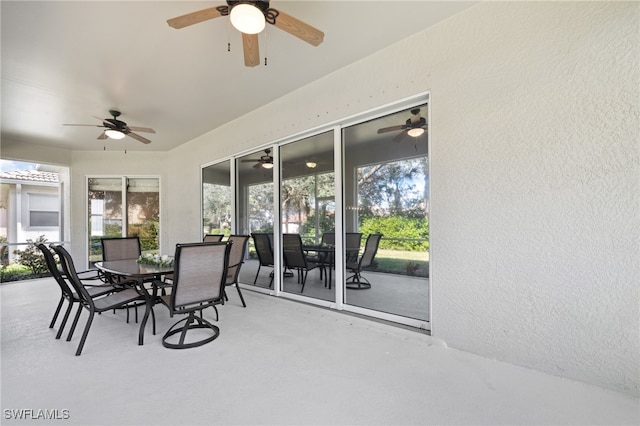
{"x":414,"y":126}
{"x":117,"y":129}
{"x":266,"y":161}
{"x":249,"y":17}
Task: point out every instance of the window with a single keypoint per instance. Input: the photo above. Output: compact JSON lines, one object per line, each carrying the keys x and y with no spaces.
{"x":44,"y":210}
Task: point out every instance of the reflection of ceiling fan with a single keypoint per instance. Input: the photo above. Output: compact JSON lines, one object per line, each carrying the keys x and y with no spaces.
{"x":266,"y":161}
{"x":249,"y":17}
{"x":414,"y":126}
{"x":116,"y":129}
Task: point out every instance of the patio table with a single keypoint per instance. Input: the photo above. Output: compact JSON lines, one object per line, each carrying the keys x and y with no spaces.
{"x":130,"y":268}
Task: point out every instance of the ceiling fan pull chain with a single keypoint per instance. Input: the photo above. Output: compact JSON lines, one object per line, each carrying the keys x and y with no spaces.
{"x":266,"y":47}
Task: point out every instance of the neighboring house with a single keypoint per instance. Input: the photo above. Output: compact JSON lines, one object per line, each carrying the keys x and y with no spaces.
{"x":29,"y":207}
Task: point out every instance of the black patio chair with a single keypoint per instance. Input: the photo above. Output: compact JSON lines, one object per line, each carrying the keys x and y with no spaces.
{"x":357,"y":281}
{"x":212,"y":238}
{"x":118,"y":299}
{"x":236,"y":259}
{"x":67,"y":292}
{"x":296,"y":259}
{"x":264,"y":249}
{"x":200,"y":272}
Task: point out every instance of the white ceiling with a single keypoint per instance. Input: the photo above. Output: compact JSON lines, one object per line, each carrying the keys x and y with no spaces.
{"x":72,"y":61}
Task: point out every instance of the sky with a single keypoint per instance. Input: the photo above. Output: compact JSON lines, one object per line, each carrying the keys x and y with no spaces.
{"x":12,"y":166}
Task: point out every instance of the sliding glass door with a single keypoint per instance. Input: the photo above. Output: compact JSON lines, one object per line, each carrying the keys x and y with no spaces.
{"x":307,"y":206}
{"x":386,"y":193}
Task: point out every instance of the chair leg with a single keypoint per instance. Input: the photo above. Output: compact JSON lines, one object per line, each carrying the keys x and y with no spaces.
{"x":55,"y":316}
{"x":244,"y":305}
{"x":255,"y":280}
{"x":64,"y":320}
{"x":85,"y":333}
{"x":75,"y":322}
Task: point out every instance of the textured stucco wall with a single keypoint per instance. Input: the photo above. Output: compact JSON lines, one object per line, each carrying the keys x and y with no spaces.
{"x":534,"y":162}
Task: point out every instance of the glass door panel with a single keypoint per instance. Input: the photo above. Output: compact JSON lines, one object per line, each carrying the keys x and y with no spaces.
{"x":105,"y":213}
{"x":216,"y":199}
{"x":254,"y":214}
{"x":143,"y":212}
{"x":308,"y":213}
{"x":386,"y":192}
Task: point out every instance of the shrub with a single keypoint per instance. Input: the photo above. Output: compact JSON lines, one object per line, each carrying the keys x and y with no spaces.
{"x":32,"y":258}
{"x":15,"y":272}
{"x":398,"y":227}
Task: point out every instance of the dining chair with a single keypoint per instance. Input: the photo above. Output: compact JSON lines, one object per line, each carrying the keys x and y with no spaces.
{"x":357,"y":281}
{"x":121,"y":248}
{"x":236,"y":259}
{"x":295,"y":258}
{"x":67,"y":292}
{"x":200,"y":272}
{"x":264,"y":249}
{"x":212,"y":238}
{"x":118,"y":299}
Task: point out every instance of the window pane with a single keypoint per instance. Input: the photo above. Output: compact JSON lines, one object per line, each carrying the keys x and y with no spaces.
{"x":143,"y":212}
{"x":43,"y":218}
{"x":216,"y":199}
{"x":308,"y":209}
{"x":105,"y":213}
{"x":386,"y":192}
{"x":254,"y":211}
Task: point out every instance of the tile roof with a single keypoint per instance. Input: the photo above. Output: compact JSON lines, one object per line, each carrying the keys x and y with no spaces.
{"x":31,"y":176}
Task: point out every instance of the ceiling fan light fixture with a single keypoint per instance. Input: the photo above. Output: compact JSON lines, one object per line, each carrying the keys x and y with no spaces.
{"x":415,"y":132}
{"x":267,"y":165}
{"x":247,"y":18}
{"x":114,"y":134}
{"x":312,"y":164}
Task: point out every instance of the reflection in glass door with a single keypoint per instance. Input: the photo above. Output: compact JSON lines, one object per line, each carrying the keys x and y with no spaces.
{"x":308,"y":216}
{"x":254,"y":215}
{"x":386,"y":192}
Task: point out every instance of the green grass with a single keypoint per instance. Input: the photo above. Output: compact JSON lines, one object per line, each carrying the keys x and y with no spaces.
{"x":402,"y":262}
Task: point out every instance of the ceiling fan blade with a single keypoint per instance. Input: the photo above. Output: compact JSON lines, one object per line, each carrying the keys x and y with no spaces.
{"x":391,"y":129}
{"x":142,"y":129}
{"x":251,"y":49}
{"x":85,"y":125}
{"x":138,"y":138}
{"x":297,"y":28}
{"x":400,"y":136}
{"x":103,"y":135}
{"x":249,"y":161}
{"x":258,"y":165}
{"x":194,"y":17}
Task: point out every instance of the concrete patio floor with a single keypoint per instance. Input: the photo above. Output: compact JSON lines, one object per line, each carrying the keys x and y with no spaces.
{"x":275,"y":362}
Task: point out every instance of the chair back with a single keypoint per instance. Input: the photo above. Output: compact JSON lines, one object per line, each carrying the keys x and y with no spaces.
{"x":352,"y":245}
{"x":292,"y":248}
{"x":236,"y":256}
{"x":69,"y":269}
{"x":200,"y":270}
{"x":370,"y":250}
{"x":120,"y":248}
{"x":212,"y":238}
{"x":328,"y":238}
{"x":264,"y":249}
{"x":53,"y":268}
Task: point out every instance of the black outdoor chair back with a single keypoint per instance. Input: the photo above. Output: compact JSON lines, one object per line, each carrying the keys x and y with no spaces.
{"x":328,"y":238}
{"x":264,"y":250}
{"x":212,"y":238}
{"x":67,"y":292}
{"x":352,"y":245}
{"x":120,"y":248}
{"x":120,"y":298}
{"x":295,"y":257}
{"x":357,"y":281}
{"x":236,"y":259}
